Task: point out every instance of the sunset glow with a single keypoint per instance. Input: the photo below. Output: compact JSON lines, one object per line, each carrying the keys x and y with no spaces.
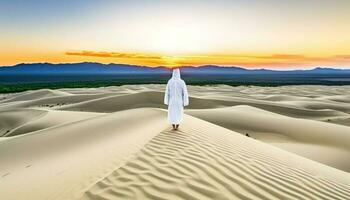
{"x":252,"y":34}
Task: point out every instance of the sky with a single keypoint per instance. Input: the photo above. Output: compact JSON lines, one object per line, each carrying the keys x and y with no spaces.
{"x":275,"y":34}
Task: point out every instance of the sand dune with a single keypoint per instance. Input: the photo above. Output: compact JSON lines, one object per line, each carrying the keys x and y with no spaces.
{"x":13,"y":119}
{"x":204,"y":161}
{"x":339,"y":106}
{"x":304,"y":137}
{"x":30,"y":95}
{"x":337,"y":98}
{"x":155,"y":99}
{"x":60,"y":162}
{"x":49,"y":118}
{"x":115,"y":143}
{"x":119,"y":102}
{"x":142,"y":99}
{"x":52,"y":101}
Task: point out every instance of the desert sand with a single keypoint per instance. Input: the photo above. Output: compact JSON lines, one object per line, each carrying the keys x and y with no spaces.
{"x":115,"y":143}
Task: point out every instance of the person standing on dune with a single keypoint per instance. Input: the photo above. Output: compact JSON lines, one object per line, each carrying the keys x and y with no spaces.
{"x":176,"y":97}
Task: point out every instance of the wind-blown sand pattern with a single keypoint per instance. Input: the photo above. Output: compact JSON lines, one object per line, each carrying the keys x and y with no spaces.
{"x":202,"y":161}
{"x":115,"y":143}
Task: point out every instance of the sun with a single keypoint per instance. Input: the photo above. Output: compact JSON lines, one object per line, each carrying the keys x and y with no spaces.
{"x":172,"y":61}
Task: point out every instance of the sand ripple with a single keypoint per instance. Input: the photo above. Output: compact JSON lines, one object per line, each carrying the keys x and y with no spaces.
{"x":195,"y":163}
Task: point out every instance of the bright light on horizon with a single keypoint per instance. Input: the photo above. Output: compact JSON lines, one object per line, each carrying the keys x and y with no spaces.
{"x":249,"y":34}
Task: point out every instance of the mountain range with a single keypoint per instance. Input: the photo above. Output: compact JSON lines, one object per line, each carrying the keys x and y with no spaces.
{"x":98,"y":68}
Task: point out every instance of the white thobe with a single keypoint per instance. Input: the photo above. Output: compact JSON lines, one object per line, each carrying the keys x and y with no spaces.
{"x":176,"y":97}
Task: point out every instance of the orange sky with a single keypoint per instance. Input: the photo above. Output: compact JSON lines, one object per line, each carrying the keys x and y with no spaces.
{"x":252,"y":34}
{"x":276,"y":61}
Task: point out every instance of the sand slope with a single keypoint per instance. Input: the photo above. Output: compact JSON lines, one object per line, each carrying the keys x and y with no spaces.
{"x":320,"y":141}
{"x":12,"y":119}
{"x":115,"y":143}
{"x":36,"y":94}
{"x":51,"y":102}
{"x":52,"y":118}
{"x":155,"y":99}
{"x":61,"y":162}
{"x":137,"y":100}
{"x":204,"y":161}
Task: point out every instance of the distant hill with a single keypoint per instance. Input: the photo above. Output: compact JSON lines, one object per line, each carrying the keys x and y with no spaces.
{"x":98,"y":68}
{"x":79,"y":68}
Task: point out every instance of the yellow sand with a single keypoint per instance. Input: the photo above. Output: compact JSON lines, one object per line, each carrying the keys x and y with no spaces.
{"x":115,"y":143}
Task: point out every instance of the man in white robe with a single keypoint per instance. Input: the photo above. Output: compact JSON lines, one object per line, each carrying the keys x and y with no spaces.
{"x":176,"y":97}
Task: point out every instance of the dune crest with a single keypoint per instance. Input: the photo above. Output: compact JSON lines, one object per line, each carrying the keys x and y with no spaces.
{"x":204,"y":161}
{"x":115,"y":143}
{"x":62,"y":161}
{"x":309,"y":138}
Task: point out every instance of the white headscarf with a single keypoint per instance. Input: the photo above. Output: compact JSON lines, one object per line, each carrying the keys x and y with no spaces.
{"x":176,"y":74}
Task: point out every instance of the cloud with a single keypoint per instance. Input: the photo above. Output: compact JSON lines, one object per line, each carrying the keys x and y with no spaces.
{"x":283,"y":56}
{"x":128,"y":58}
{"x":346,"y":57}
{"x":112,"y":55}
{"x":274,"y":60}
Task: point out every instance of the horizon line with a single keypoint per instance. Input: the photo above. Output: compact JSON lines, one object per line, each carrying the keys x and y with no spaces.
{"x":194,"y":66}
